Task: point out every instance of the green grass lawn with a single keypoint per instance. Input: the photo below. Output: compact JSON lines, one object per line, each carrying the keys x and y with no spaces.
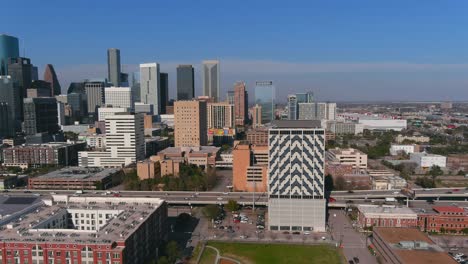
{"x":278,"y":253}
{"x":208,"y":257}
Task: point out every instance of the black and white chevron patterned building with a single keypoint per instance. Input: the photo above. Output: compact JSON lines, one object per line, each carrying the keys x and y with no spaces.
{"x":296,"y":176}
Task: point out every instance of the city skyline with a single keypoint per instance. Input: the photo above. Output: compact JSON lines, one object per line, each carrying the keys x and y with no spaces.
{"x":341,"y":51}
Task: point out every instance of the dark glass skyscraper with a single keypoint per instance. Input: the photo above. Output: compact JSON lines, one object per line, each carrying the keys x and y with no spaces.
{"x":164,"y":91}
{"x":51,"y":77}
{"x":9,"y":96}
{"x":20,"y":70}
{"x":113,"y":66}
{"x":40,"y":115}
{"x":7,"y":127}
{"x":9,"y":48}
{"x":185,"y":82}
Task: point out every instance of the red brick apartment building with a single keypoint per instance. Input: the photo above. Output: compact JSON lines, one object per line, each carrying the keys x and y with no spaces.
{"x":79,"y":230}
{"x":450,"y":219}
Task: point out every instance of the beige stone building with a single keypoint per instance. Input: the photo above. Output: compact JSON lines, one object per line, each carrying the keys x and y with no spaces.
{"x":190,"y":124}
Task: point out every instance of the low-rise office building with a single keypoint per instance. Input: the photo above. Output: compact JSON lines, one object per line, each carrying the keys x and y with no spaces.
{"x":59,"y":153}
{"x":426,"y":161}
{"x":396,"y":149}
{"x":204,"y":156}
{"x":386,"y":216}
{"x":88,"y":230}
{"x":77,"y":178}
{"x":349,"y":156}
{"x":388,"y":182}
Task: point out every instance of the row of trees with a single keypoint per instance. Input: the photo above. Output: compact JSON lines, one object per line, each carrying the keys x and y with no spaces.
{"x":191,"y":178}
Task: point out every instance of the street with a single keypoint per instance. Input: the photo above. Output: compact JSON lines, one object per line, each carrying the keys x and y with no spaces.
{"x":353,"y":242}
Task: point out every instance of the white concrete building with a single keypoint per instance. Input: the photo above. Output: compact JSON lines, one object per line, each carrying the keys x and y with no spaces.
{"x":343,"y":128}
{"x":125,"y":143}
{"x":383,"y":124}
{"x":150,"y":86}
{"x":418,"y":139}
{"x":104,"y":112}
{"x":395,"y":149}
{"x":425,"y":160}
{"x":119,"y":97}
{"x":348,"y":156}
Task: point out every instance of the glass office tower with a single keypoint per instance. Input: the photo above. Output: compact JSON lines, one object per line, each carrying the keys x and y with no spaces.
{"x":9,"y":48}
{"x":265,"y":94}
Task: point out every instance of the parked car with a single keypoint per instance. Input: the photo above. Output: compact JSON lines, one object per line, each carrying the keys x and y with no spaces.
{"x":356,"y":260}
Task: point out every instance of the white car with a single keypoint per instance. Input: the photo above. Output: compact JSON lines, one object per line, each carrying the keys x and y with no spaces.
{"x":306,"y":233}
{"x":396,"y":192}
{"x":243,"y":237}
{"x":220,"y":198}
{"x":225,"y":193}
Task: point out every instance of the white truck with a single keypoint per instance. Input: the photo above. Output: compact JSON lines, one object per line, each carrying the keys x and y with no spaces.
{"x":79,"y":192}
{"x":390,"y":199}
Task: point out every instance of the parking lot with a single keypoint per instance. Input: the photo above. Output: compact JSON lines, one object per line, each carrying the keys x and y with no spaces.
{"x":251,"y":229}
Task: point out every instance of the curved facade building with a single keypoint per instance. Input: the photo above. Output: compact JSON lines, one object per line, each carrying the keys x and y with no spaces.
{"x":51,"y":77}
{"x":9,"y":48}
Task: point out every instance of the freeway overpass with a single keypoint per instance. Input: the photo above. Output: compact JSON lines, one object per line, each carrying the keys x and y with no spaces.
{"x":250,"y":198}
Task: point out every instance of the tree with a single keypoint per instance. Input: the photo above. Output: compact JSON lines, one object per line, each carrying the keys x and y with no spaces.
{"x":465,"y":231}
{"x":183,"y":219}
{"x":232,"y":205}
{"x":329,"y":183}
{"x":340,"y":183}
{"x":172,"y":251}
{"x":211,"y":211}
{"x":425,"y":182}
{"x":163,"y":260}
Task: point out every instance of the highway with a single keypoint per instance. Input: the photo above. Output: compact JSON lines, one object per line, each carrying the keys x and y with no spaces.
{"x":249,"y":198}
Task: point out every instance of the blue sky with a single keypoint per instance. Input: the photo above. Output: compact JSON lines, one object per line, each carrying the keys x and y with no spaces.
{"x":342,"y":50}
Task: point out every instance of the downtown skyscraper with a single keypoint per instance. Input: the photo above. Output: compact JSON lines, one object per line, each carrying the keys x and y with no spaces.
{"x":240,"y":104}
{"x":265,"y":94}
{"x":150,"y":85}
{"x":51,"y":77}
{"x":113,"y":66}
{"x":211,"y":79}
{"x":9,"y":48}
{"x":185,"y":82}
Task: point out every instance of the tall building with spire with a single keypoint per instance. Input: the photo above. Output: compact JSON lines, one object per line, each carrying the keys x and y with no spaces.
{"x":9,"y":48}
{"x":51,"y":77}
